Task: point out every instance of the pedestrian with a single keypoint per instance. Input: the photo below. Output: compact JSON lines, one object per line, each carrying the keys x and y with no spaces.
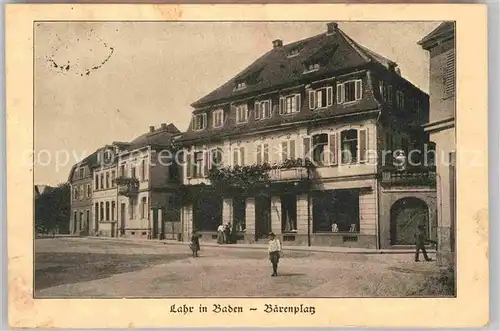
{"x":220,"y":234}
{"x":421,"y":240}
{"x":227,"y":233}
{"x":274,"y":250}
{"x":195,"y":244}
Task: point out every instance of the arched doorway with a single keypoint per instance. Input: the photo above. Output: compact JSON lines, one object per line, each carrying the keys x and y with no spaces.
{"x":406,"y":215}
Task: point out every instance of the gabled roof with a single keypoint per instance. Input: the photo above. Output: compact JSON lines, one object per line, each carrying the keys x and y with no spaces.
{"x":336,"y":52}
{"x":445,"y":30}
{"x":159,"y":137}
{"x":90,"y":161}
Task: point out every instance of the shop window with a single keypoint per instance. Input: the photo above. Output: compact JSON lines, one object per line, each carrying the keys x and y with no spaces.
{"x":288,"y":213}
{"x":336,"y":211}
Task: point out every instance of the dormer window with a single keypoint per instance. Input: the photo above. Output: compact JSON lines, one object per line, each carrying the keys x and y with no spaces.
{"x":241,"y":113}
{"x":311,"y":67}
{"x":262,"y":109}
{"x":240,"y":86}
{"x":349,"y":91}
{"x":199,"y":122}
{"x":290,"y":104}
{"x":218,"y":118}
{"x":294,"y":52}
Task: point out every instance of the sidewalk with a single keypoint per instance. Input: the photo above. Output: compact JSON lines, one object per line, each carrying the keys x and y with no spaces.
{"x":321,"y":249}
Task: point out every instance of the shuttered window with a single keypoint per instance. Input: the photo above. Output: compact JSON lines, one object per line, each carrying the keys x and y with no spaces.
{"x":340,"y":93}
{"x":291,"y":153}
{"x":257,"y":110}
{"x":259,"y":154}
{"x":449,"y":74}
{"x":312,"y":99}
{"x":284,"y":150}
{"x":266,"y":153}
{"x":290,"y":104}
{"x":363,"y":145}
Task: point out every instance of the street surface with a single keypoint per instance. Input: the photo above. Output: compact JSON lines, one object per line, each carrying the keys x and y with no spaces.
{"x":96,"y":268}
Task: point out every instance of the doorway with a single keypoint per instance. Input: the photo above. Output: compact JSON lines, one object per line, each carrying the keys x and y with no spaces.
{"x":262,"y":217}
{"x":406,"y":215}
{"x":122,"y":218}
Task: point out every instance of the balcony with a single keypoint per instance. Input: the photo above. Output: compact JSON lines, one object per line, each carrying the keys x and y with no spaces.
{"x":288,"y":174}
{"x":128,"y":187}
{"x":416,"y":177}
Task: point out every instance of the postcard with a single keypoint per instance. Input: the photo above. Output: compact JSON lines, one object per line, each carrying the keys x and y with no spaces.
{"x":314,"y":165}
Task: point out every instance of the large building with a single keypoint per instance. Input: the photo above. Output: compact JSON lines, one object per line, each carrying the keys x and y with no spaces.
{"x":318,"y":114}
{"x":135,"y":187}
{"x":80,"y":180}
{"x":441,"y":46}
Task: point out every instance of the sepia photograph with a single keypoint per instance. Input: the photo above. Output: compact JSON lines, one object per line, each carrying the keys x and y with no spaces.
{"x":244,"y":159}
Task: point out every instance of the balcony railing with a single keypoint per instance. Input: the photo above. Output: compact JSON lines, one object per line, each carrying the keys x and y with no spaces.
{"x":419,"y":176}
{"x":286,"y":174}
{"x":128,"y":187}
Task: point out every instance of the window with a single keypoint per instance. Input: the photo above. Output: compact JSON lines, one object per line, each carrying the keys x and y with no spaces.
{"x":349,"y":146}
{"x":75,"y":193}
{"x":239,"y":213}
{"x":89,"y":191}
{"x":113,"y":208}
{"x":289,"y":104}
{"x":101,"y":213}
{"x":320,"y":142}
{"x":107,"y":210}
{"x":349,"y":91}
{"x":96,"y":212}
{"x":240,"y":86}
{"x":144,"y":207}
{"x":82,"y":193}
{"x":96,"y":181}
{"x":384,"y":90}
{"x":262,"y":153}
{"x":113,"y":178}
{"x":122,"y":170}
{"x":215,"y":158}
{"x":102,"y":181}
{"x":239,"y":156}
{"x":263,"y":109}
{"x":311,"y":67}
{"x":218,"y":118}
{"x":287,"y":150}
{"x":321,"y":98}
{"x":389,"y":94}
{"x":107,"y":179}
{"x":74,"y":217}
{"x":143,"y":170}
{"x":294,"y":52}
{"x":132,"y":172}
{"x":400,"y":100}
{"x":199,"y":122}
{"x":81,"y":172}
{"x":241,"y":113}
{"x":449,"y":74}
{"x":336,"y":211}
{"x":198,"y":165}
{"x":131,"y":210}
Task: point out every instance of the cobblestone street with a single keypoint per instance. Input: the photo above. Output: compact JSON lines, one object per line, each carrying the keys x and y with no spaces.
{"x":86,"y":267}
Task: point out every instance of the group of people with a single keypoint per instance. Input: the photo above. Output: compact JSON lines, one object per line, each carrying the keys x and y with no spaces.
{"x":224,"y":233}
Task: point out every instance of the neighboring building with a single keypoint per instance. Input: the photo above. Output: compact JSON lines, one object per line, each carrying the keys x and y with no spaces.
{"x":148,"y":181}
{"x":80,"y":180}
{"x":323,"y":98}
{"x":441,"y":46}
{"x":105,"y":193}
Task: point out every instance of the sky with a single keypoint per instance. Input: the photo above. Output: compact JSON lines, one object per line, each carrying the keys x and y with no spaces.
{"x":99,"y":82}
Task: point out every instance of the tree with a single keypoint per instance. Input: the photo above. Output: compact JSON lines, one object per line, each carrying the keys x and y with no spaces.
{"x":52,"y":209}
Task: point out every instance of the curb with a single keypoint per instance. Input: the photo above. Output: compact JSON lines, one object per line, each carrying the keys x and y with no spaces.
{"x":287,"y":248}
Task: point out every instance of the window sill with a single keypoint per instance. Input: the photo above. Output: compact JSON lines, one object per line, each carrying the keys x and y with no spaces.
{"x":337,"y":233}
{"x":240,"y":123}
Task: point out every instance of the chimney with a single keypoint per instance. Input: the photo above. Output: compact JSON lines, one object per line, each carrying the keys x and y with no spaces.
{"x":331,"y":27}
{"x":151,"y":128}
{"x":163,"y":126}
{"x":277,"y":43}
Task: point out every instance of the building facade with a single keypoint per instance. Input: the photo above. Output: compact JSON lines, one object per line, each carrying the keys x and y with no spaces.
{"x":318,"y":114}
{"x":440,"y":44}
{"x":148,"y":180}
{"x":80,"y":180}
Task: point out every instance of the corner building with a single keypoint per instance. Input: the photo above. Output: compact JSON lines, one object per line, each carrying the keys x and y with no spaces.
{"x":329,"y":100}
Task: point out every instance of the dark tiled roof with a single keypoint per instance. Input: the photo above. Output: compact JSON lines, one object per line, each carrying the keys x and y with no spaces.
{"x":160,"y":137}
{"x":90,"y":160}
{"x":445,"y":30}
{"x":337,"y":52}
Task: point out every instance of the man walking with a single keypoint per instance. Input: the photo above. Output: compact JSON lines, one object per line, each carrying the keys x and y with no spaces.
{"x":421,"y":238}
{"x":274,"y":250}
